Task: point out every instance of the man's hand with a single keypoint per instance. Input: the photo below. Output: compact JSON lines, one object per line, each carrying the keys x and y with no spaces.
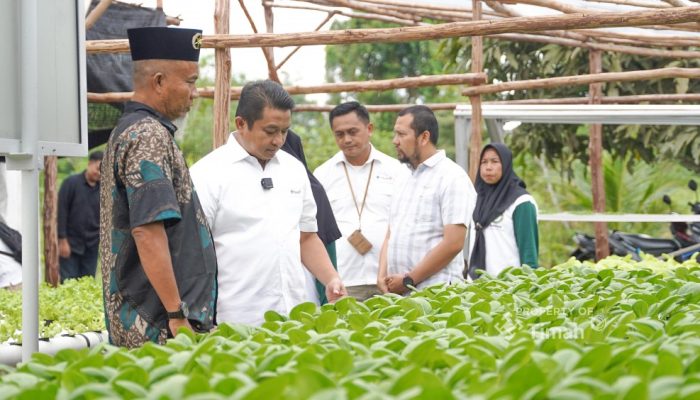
{"x":175,"y":324}
{"x":394,"y":284}
{"x":381,"y":284}
{"x":335,"y":290}
{"x":63,"y":248}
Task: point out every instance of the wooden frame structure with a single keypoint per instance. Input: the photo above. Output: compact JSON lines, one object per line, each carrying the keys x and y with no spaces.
{"x":571,"y":25}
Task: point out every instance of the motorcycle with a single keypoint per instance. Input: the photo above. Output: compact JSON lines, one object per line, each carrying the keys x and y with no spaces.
{"x":623,"y":243}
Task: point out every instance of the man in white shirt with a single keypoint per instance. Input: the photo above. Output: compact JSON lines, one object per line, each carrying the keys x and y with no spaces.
{"x":359,"y":181}
{"x":262,"y":214}
{"x":430,"y":213}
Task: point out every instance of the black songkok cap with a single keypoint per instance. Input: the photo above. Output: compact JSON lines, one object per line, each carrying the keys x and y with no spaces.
{"x":160,"y":43}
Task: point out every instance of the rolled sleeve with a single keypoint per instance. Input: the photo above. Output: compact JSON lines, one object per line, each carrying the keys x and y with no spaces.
{"x":147,"y":177}
{"x":307,"y":222}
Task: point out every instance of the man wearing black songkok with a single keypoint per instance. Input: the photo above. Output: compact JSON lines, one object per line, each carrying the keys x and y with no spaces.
{"x":158,"y":262}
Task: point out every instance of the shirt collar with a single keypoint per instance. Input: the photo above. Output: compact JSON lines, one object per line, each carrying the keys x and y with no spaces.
{"x":135,"y":106}
{"x":434,"y":159}
{"x":238,"y":153}
{"x":373,"y":156}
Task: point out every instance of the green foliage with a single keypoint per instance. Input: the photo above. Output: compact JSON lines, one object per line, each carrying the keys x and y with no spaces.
{"x":636,"y":188}
{"x":562,"y":144}
{"x":616,"y":329}
{"x":73,"y":307}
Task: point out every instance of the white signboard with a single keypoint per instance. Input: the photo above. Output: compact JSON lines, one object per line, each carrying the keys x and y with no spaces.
{"x":62,"y":102}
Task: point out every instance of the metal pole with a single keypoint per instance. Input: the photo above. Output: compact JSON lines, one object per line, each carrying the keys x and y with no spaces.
{"x":30,"y":176}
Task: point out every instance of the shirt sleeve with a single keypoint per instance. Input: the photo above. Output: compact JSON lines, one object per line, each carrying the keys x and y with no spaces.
{"x":526,"y":233}
{"x":205,"y":190}
{"x":307,"y":222}
{"x":145,"y":170}
{"x":458,"y":199}
{"x":65,"y":195}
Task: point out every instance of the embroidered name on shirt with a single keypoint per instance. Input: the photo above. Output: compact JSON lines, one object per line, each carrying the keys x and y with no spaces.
{"x":292,"y":191}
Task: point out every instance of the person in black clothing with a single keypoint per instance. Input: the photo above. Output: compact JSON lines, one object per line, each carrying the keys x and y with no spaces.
{"x":79,"y":221}
{"x":328,"y":230}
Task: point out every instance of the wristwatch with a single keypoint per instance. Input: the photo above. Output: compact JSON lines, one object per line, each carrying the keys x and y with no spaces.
{"x":181,"y":313}
{"x":408,"y":281}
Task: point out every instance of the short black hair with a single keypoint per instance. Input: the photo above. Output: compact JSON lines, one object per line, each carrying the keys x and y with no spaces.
{"x":423,"y":120}
{"x":348,"y":107}
{"x":257,"y":95}
{"x":96,"y":156}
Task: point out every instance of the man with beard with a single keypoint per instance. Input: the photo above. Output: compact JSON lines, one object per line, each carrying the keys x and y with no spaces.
{"x":158,"y":261}
{"x":430,"y":213}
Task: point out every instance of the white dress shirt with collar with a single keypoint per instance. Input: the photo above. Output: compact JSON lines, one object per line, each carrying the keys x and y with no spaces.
{"x":387,"y":173}
{"x":256,"y":231}
{"x":437,"y":193}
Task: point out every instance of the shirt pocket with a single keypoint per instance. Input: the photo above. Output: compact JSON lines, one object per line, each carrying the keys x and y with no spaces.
{"x":427,"y":204}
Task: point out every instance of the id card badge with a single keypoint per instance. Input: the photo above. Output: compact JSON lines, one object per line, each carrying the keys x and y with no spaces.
{"x":360,"y":242}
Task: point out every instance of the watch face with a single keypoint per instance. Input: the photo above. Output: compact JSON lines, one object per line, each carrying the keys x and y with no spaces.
{"x":407,"y":281}
{"x":185,"y":309}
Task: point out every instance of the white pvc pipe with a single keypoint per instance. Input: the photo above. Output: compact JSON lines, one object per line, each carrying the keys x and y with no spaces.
{"x":29,"y":58}
{"x":11,"y":354}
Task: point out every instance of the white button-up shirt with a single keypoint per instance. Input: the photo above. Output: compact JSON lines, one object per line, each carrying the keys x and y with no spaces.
{"x":436,"y":194}
{"x":256,"y":231}
{"x":356,"y":269}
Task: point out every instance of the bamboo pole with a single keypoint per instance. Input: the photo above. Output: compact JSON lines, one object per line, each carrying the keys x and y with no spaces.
{"x":476,"y":121}
{"x":318,"y":28}
{"x":572,"y":9}
{"x":691,"y":73}
{"x":441,"y":31}
{"x":646,"y":98}
{"x":634,"y":3}
{"x":336,"y":11}
{"x":595,"y":148}
{"x":363,"y":7}
{"x":640,"y":51}
{"x":222,"y":89}
{"x":50,"y":221}
{"x":96,"y":13}
{"x":269,"y":51}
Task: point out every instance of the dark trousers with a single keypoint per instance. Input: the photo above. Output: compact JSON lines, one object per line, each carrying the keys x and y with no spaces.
{"x":78,"y":265}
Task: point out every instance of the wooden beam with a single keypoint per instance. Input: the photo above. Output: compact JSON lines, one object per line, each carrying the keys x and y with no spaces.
{"x":359,"y":86}
{"x":441,"y":31}
{"x":595,"y":150}
{"x":640,"y":51}
{"x":477,"y":67}
{"x":642,"y":98}
{"x":691,"y":73}
{"x":267,"y":51}
{"x":318,"y":28}
{"x":222,"y":88}
{"x":336,"y":11}
{"x":374,"y":108}
{"x":634,"y":3}
{"x":572,"y":9}
{"x":50,"y":222}
{"x":364,"y":7}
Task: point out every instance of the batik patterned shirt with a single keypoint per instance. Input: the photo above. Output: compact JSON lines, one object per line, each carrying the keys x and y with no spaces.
{"x":144,"y":180}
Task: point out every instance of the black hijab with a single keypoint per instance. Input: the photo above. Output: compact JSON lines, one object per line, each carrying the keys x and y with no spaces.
{"x":492,"y":201}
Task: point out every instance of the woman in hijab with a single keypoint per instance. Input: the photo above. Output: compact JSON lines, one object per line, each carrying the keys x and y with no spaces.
{"x":504,"y":223}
